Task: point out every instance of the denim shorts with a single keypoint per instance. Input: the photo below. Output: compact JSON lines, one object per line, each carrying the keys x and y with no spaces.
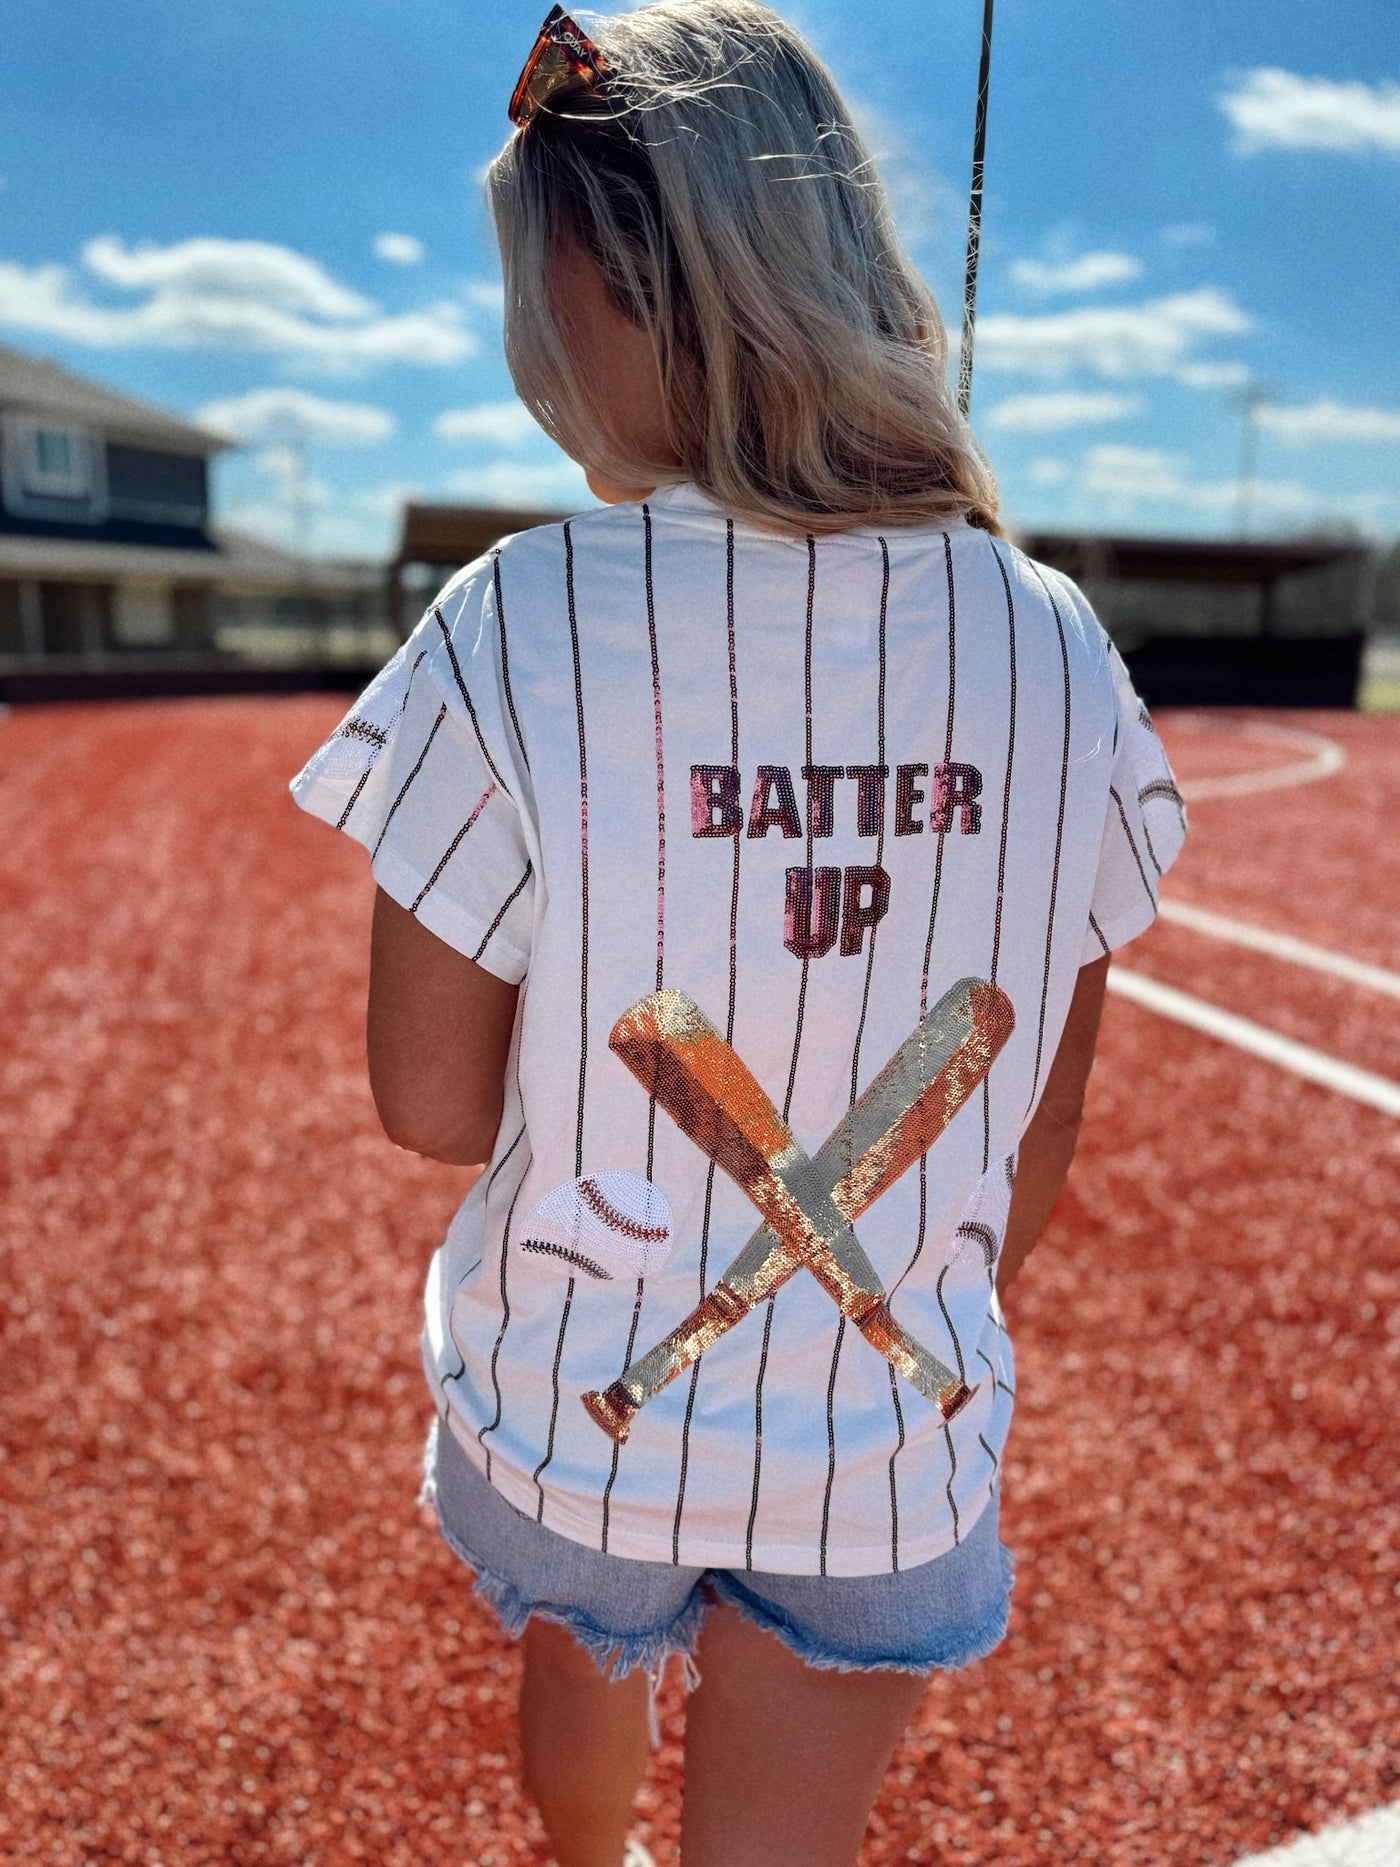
{"x":939,"y":1616}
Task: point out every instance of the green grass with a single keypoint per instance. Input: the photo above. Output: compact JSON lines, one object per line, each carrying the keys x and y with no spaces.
{"x":1379,"y":693}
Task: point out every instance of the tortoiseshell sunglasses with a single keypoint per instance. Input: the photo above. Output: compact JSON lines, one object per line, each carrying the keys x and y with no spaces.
{"x":563,"y":56}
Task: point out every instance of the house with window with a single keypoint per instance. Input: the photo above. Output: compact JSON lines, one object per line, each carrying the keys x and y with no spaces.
{"x":109,"y":560}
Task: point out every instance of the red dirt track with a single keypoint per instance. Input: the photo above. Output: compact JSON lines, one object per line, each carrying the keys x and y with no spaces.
{"x":230,"y":1636}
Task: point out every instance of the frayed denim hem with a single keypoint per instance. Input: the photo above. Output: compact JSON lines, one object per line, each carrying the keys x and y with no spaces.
{"x":615,"y":1654}
{"x":816,"y":1653}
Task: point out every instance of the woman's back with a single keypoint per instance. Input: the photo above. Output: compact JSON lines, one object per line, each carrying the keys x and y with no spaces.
{"x":811,"y":784}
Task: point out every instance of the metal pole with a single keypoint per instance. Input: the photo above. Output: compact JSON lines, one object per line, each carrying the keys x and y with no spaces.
{"x":974,"y":217}
{"x":1253,"y":397}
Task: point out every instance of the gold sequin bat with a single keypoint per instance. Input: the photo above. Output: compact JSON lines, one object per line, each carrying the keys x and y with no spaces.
{"x":808,"y":1204}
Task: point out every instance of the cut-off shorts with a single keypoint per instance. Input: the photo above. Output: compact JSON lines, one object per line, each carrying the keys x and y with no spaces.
{"x":939,"y":1616}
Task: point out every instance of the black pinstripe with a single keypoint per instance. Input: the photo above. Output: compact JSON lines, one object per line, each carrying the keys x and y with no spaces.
{"x":937,"y":878}
{"x":505,"y":656}
{"x":880,"y":840}
{"x":860,"y":1033}
{"x":583,"y":994}
{"x":403,"y":788}
{"x":807,"y":676}
{"x":495,"y":1422}
{"x":922,"y":1232}
{"x":451,"y":851}
{"x":467,"y":701}
{"x":947,"y":1430}
{"x":503,"y":910}
{"x":894,"y":1488}
{"x":364,"y":777}
{"x":660,"y":948}
{"x":1005,"y":831}
{"x":1059,"y":838}
{"x":728,"y":1029}
{"x":792,"y":1070}
{"x":1132,"y":843}
{"x":354,"y":799}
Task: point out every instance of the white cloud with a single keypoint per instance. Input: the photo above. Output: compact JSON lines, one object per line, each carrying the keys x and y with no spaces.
{"x":226,"y":294}
{"x":1086,"y":274}
{"x":1275,"y":109}
{"x":487,"y":294}
{"x":284,"y":415}
{"x":1049,"y":472}
{"x":546,"y":484}
{"x":1123,"y":476}
{"x":507,"y":423}
{"x":229,"y":271}
{"x":1321,"y":422}
{"x":1188,"y":233}
{"x":400,"y":249}
{"x":363,"y":523}
{"x":1151,"y":339}
{"x":1043,"y":414}
{"x":386,"y":501}
{"x":1214,"y":375}
{"x":272,"y":519}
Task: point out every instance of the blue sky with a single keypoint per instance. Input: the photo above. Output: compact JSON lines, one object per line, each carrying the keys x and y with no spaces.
{"x":270,"y":219}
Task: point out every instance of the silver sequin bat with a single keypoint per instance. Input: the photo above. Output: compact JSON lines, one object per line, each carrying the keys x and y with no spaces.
{"x":808,"y":1204}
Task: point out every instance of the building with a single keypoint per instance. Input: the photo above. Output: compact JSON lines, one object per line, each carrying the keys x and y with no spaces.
{"x":437,"y":540}
{"x":110,"y":565}
{"x":1232,"y":622}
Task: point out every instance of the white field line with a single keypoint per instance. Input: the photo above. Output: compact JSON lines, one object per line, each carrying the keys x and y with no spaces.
{"x":1324,"y":756}
{"x":1378,"y":1092}
{"x":1282,"y":946}
{"x":1370,"y":1841}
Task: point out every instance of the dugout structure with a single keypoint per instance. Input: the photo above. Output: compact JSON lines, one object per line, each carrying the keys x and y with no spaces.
{"x":1200,"y":623}
{"x":1227,"y":624}
{"x":436,"y":541}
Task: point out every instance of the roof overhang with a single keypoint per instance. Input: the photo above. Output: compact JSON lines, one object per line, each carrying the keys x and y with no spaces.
{"x":237,"y":564}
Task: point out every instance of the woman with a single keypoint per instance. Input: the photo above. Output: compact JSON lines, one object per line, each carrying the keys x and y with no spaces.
{"x":688,"y":817}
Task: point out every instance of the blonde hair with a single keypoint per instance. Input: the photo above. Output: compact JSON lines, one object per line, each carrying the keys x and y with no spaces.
{"x":719,"y":184}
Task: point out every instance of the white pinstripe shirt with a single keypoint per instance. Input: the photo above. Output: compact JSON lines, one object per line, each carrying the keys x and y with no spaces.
{"x":810,"y":783}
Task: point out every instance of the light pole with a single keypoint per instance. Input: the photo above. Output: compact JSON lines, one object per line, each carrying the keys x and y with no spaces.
{"x":1249,"y":399}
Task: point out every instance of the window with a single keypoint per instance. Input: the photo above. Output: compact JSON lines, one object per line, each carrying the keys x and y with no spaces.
{"x":52,"y":471}
{"x":58,"y":464}
{"x":143,"y":616}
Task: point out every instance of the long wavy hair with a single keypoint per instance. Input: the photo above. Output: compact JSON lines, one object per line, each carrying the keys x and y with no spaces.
{"x":718,"y":183}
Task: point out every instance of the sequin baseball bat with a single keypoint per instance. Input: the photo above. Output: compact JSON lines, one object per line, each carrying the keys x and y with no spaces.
{"x":808,"y":1204}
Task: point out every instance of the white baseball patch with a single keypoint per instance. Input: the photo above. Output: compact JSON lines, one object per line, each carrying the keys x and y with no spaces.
{"x":977,"y":1240}
{"x":609,"y":1225}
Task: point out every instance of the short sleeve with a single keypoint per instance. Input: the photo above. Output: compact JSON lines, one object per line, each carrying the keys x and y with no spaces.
{"x":427,"y":771}
{"x":1144,"y":826}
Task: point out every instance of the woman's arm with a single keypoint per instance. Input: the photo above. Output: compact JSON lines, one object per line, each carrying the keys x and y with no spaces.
{"x":1047,"y":1147}
{"x":438,"y":1034}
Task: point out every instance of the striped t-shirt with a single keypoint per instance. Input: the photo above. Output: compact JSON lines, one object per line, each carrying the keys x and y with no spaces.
{"x":807,"y":785}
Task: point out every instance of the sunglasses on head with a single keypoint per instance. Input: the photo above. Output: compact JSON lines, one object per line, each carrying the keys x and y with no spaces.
{"x":562,"y":58}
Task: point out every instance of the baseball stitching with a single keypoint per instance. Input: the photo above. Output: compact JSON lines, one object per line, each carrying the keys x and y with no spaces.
{"x":546,"y":1247}
{"x":602,"y":1208}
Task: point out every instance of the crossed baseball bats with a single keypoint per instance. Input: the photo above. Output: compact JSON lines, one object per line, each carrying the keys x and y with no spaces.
{"x":808,"y":1204}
